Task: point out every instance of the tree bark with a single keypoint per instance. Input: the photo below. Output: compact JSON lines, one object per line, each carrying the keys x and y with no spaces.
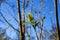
{"x":20,"y":19}
{"x":23,"y":19}
{"x":57,"y":19}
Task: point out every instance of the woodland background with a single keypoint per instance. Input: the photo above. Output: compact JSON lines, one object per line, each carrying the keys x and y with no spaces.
{"x":29,"y":19}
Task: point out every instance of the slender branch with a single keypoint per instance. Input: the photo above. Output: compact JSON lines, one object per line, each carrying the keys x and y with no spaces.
{"x":10,"y":12}
{"x":36,"y":34}
{"x":27,"y":33}
{"x":8,"y":23}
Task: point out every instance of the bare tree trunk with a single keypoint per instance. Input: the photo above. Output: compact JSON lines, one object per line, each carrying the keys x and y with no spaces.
{"x":23,"y":19}
{"x":57,"y":20}
{"x":20,"y":19}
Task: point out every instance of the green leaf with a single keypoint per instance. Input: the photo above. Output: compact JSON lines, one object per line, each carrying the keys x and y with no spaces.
{"x":30,"y":17}
{"x":25,"y":22}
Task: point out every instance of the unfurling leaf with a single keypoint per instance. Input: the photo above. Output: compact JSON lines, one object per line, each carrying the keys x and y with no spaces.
{"x":30,"y":17}
{"x":31,"y":20}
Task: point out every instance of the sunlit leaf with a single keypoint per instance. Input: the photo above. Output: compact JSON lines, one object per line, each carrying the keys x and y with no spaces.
{"x":30,"y":17}
{"x":25,"y":22}
{"x":31,"y":20}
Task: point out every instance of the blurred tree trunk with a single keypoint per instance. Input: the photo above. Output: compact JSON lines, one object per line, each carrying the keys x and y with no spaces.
{"x":20,"y":19}
{"x":57,"y":19}
{"x":23,"y":19}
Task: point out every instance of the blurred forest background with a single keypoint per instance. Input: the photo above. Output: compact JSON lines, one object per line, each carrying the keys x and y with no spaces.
{"x":29,"y":19}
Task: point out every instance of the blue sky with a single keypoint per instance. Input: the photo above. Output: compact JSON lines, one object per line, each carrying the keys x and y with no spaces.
{"x":48,"y":10}
{"x":10,"y":32}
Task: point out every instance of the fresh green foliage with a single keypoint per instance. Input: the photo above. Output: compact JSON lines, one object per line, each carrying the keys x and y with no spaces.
{"x":31,"y":20}
{"x":30,"y":17}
